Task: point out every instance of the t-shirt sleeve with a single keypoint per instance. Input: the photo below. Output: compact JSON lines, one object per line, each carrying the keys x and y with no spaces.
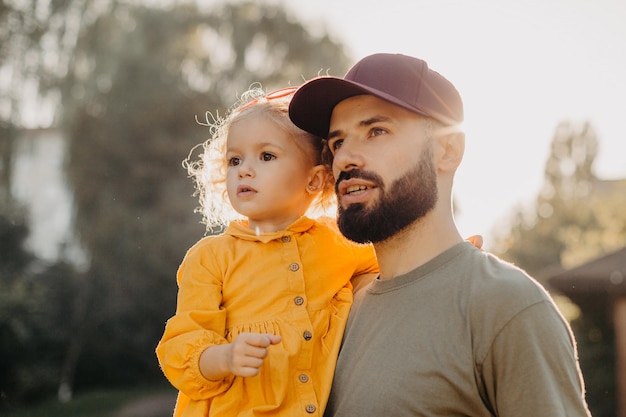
{"x":531,"y":368}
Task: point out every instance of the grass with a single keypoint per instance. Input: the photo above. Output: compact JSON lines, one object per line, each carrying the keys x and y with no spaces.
{"x":100,"y":403}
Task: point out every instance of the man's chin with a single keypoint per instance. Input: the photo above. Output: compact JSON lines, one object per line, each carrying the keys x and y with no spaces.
{"x":347,"y":206}
{"x":353,"y":223}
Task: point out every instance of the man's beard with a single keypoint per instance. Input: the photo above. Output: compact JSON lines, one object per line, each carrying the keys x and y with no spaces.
{"x":410,"y":198}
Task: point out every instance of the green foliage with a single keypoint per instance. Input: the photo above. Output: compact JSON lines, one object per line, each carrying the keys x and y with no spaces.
{"x":576,"y":216}
{"x":31,"y":33}
{"x":13,"y":257}
{"x":596,"y":341}
{"x":34,"y":311}
{"x":15,"y":302}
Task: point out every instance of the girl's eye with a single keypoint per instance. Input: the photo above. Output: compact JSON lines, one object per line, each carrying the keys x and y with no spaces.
{"x":266,"y":156}
{"x":233,"y":162}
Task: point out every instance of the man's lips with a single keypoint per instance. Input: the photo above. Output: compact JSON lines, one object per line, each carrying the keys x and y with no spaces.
{"x":355,"y":190}
{"x":354,"y":186}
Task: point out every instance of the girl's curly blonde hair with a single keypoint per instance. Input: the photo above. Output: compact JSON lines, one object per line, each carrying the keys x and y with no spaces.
{"x":206,"y":163}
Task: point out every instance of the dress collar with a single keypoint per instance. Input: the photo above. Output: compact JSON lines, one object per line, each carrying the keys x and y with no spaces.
{"x":240,"y":229}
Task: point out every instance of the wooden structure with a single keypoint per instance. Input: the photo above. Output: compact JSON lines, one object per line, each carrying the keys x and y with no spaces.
{"x":600,"y":286}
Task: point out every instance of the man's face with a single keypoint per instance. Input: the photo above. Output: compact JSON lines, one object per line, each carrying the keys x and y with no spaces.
{"x":384,"y":168}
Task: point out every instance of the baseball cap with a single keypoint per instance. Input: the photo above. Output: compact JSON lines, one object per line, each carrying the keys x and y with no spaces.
{"x":399,"y":79}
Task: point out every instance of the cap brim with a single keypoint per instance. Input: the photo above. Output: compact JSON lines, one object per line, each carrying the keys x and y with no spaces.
{"x":312,"y":105}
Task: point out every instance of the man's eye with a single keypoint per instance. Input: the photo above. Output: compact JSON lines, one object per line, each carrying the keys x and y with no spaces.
{"x":233,"y":162}
{"x":335,"y":145}
{"x":377,"y":131}
{"x":266,"y":156}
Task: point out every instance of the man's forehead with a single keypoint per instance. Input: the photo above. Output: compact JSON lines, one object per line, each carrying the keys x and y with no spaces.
{"x":362,"y":110}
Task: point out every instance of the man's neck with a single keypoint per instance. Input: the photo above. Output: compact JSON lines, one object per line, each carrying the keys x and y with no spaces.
{"x":415,"y":245}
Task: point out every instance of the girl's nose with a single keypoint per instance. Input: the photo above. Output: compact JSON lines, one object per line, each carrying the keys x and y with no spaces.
{"x":245,"y":170}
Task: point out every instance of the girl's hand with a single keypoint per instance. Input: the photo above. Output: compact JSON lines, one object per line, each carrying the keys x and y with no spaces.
{"x":247,"y":352}
{"x":476,"y":240}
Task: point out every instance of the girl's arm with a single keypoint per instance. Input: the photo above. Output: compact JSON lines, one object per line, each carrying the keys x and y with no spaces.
{"x":199,"y":324}
{"x":243,"y":357}
{"x":361,"y":281}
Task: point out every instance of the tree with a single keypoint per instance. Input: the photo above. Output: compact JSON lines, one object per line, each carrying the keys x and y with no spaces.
{"x":562,"y":219}
{"x":33,"y":314}
{"x":36,"y":43}
{"x":14,"y":297}
{"x":576,"y":217}
{"x":14,"y":260}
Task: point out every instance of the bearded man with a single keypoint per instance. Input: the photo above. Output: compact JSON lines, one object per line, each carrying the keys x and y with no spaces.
{"x":447,"y":329}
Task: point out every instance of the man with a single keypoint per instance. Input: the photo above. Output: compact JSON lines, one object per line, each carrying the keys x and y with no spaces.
{"x":447,"y":329}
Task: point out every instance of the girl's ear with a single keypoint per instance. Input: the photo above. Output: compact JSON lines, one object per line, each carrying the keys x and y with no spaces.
{"x":317,"y":179}
{"x":453,"y":148}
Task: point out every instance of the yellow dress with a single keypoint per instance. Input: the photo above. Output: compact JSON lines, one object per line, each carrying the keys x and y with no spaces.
{"x":294,"y":283}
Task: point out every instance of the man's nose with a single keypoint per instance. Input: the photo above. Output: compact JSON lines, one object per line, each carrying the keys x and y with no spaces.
{"x":347,"y":157}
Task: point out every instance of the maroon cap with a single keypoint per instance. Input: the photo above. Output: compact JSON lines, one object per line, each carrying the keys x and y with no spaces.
{"x":396,"y":78}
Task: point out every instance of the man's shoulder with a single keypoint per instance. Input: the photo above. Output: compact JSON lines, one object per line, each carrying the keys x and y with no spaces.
{"x":496,"y":280}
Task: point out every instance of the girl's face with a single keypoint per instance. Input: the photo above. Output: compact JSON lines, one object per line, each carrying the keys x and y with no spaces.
{"x":267,"y":174}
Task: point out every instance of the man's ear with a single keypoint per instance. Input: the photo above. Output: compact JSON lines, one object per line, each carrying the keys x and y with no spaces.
{"x":452,"y":150}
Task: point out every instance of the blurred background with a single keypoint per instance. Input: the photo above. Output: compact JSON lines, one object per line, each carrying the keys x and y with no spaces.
{"x":99,"y":101}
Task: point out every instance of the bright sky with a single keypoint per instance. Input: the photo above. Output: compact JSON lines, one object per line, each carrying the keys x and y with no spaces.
{"x":521,"y":67}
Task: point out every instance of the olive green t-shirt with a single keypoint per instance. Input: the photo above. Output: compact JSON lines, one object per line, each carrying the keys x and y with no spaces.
{"x":465,"y":334}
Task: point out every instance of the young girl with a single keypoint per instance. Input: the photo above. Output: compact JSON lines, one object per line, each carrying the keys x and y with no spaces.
{"x":262,"y":307}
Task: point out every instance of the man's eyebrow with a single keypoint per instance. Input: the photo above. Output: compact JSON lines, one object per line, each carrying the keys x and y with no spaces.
{"x":363,"y":123}
{"x":333,"y":134}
